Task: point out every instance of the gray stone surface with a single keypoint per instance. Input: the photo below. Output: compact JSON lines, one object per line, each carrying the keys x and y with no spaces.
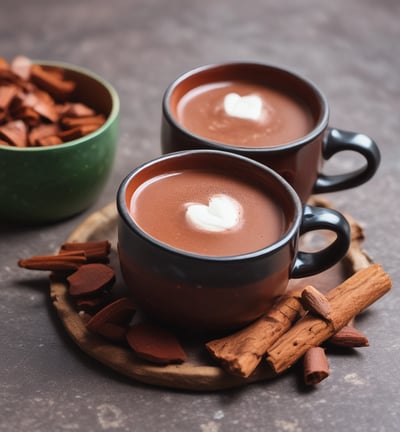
{"x":351,"y":49}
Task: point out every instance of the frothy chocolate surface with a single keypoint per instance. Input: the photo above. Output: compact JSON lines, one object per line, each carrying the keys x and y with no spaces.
{"x":282,"y":119}
{"x":159,"y":207}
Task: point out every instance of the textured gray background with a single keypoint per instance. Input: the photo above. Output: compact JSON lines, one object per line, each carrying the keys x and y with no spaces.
{"x":350,"y":48}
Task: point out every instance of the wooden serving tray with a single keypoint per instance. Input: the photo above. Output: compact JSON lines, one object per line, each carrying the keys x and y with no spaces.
{"x":200,"y":372}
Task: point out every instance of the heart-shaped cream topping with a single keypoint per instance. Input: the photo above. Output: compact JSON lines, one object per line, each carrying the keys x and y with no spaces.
{"x":246,"y":107}
{"x":221,"y":214}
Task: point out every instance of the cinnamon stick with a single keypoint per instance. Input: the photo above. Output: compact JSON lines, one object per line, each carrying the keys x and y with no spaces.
{"x":53,"y":262}
{"x":347,"y":300}
{"x":95,"y":251}
{"x":241,"y":352}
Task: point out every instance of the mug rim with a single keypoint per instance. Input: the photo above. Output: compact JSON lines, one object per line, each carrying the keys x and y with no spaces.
{"x":318,"y":129}
{"x":273,"y":248}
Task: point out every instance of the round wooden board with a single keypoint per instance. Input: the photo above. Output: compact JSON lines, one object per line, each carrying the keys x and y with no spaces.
{"x":200,"y":372}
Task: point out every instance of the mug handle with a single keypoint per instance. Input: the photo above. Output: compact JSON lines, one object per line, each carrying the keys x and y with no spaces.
{"x":337,"y":140}
{"x":318,"y":218}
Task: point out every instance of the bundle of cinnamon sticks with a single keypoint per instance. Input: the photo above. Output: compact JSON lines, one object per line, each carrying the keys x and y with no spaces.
{"x":299,"y":323}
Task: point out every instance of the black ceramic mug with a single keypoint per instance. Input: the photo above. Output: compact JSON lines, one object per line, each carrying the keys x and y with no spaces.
{"x":293,"y":136}
{"x":203,"y":279}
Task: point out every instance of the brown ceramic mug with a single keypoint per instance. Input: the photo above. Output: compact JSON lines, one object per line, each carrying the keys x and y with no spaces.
{"x":290,"y":134}
{"x":207,"y":240}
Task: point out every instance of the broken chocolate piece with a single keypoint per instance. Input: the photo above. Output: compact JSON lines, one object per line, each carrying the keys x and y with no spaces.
{"x":155,"y":344}
{"x":348,"y":337}
{"x":120,"y":311}
{"x":112,"y":321}
{"x":90,"y":279}
{"x":91,"y":304}
{"x":111,"y":331}
{"x":316,"y":366}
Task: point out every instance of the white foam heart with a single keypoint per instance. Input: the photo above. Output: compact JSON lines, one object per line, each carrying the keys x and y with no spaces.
{"x":246,"y":107}
{"x":222,"y":213}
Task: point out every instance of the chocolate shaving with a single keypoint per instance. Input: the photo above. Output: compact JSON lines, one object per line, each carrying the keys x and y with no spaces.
{"x":41,"y":96}
{"x":42,"y":131}
{"x":77,"y":132}
{"x":52,"y":81}
{"x":21,"y":66}
{"x":15,"y":133}
{"x":42,"y":103}
{"x":28,"y":115}
{"x":49,"y":141}
{"x":7,"y":94}
{"x":71,"y":122}
{"x":77,"y":110}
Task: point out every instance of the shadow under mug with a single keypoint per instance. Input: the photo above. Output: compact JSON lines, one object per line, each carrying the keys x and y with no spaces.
{"x":299,"y":161}
{"x":218,"y":293}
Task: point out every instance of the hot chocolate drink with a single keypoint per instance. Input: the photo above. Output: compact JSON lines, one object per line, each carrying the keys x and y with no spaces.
{"x":207,"y":212}
{"x":243,"y":114}
{"x":207,"y":240}
{"x":268,"y":114}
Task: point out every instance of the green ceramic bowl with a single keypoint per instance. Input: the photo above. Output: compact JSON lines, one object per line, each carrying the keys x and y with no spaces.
{"x":46,"y":184}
